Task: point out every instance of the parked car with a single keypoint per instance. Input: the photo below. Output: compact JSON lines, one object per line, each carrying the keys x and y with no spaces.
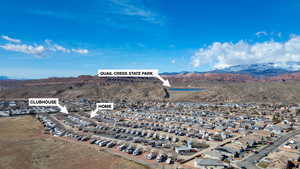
{"x":170,"y":160}
{"x":161,"y":158}
{"x":137,"y":151}
{"x":84,"y":138}
{"x":111,"y":144}
{"x":103,"y":143}
{"x":151,"y":156}
{"x":122,"y":147}
{"x":130,"y":149}
{"x":93,"y":141}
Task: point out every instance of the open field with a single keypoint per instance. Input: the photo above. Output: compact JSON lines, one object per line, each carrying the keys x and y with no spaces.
{"x":22,"y":145}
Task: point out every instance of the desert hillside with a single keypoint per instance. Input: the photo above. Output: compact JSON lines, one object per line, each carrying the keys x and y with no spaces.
{"x":219,"y":88}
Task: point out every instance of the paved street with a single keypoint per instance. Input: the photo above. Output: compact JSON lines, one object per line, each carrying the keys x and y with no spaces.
{"x":250,"y":162}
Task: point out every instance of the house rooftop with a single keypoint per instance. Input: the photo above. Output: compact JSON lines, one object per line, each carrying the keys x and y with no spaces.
{"x":208,"y":162}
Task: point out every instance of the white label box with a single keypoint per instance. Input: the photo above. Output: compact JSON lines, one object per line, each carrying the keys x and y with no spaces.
{"x":43,"y":101}
{"x":128,"y":73}
{"x":105,"y":106}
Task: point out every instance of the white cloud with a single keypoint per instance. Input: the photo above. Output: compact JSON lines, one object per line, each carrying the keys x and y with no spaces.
{"x":28,"y":49}
{"x":173,"y":61}
{"x":220,"y":55}
{"x":80,"y":51}
{"x":135,"y":9}
{"x":40,"y":50}
{"x":269,"y":34}
{"x":10,"y":39}
{"x":262,"y":33}
{"x":61,"y":48}
{"x":137,"y":14}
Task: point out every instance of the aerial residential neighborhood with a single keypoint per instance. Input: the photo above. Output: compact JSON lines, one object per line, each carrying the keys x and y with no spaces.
{"x":150,"y":84}
{"x":185,"y":135}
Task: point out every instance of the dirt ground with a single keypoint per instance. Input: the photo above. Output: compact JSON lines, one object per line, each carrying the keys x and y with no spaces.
{"x":23,"y":146}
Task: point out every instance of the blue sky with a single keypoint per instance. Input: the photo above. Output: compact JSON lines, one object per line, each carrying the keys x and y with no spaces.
{"x":69,"y":38}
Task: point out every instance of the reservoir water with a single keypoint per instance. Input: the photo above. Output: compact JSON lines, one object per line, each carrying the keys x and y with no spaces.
{"x":187,"y":89}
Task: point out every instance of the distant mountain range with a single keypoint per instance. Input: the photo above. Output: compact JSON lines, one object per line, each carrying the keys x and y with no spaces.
{"x":274,"y":71}
{"x":256,"y":70}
